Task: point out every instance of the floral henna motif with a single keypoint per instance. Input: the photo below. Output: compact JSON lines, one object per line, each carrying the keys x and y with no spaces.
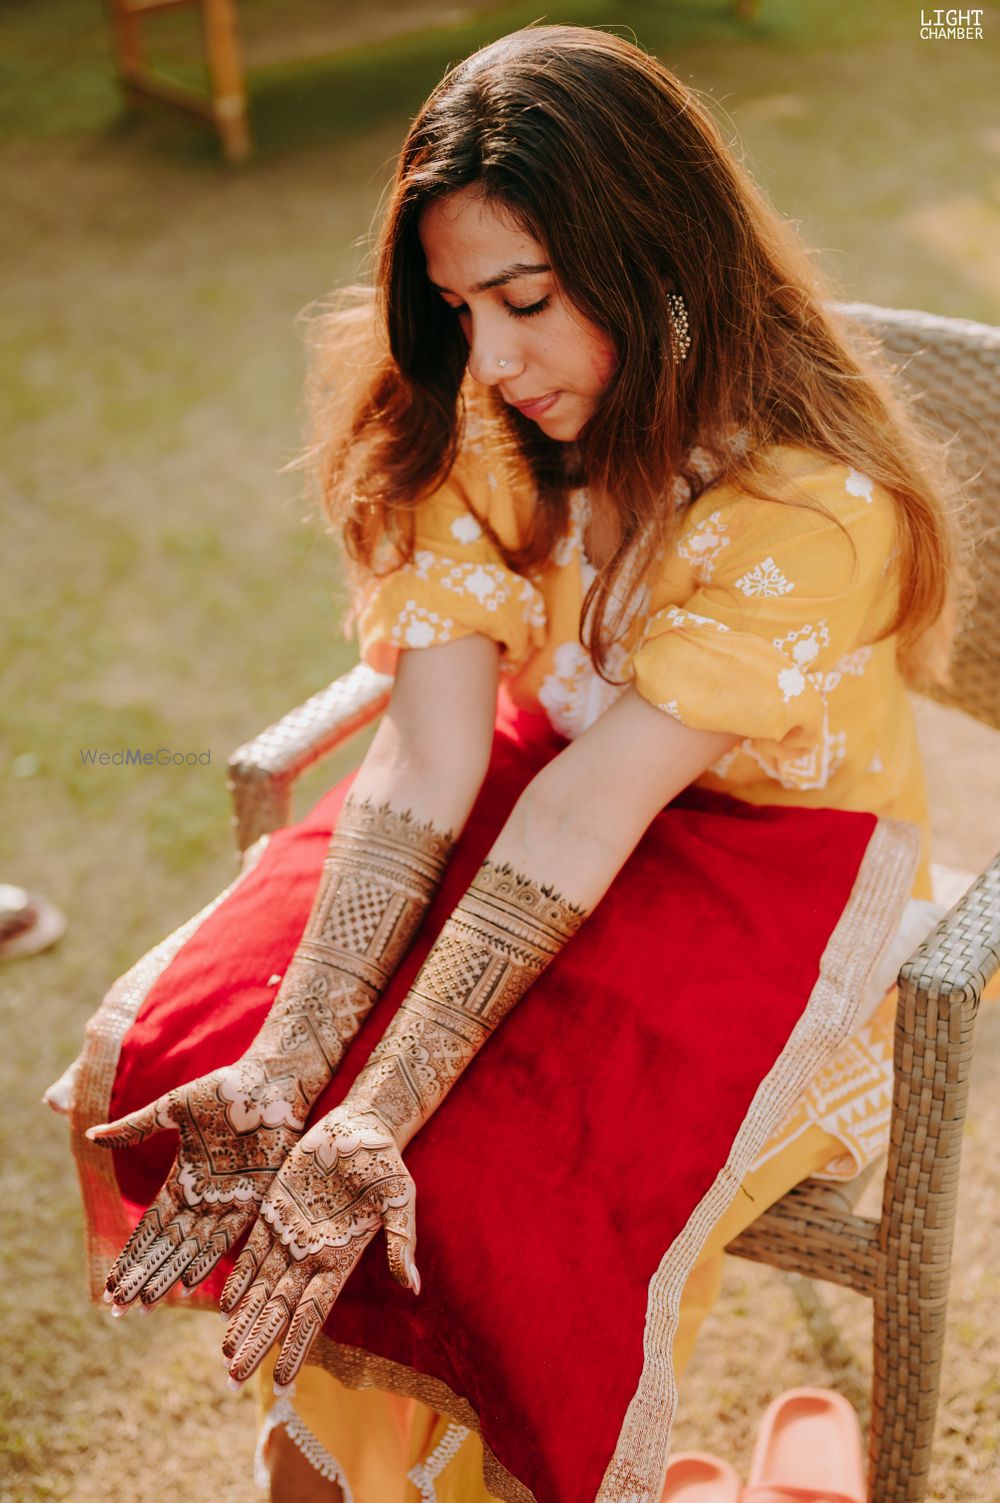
{"x":501,"y":936}
{"x":236,"y":1125}
{"x":344,"y":1181}
{"x":346,"y":1178}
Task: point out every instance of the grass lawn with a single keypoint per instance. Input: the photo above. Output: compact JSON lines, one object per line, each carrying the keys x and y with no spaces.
{"x":165,"y":586}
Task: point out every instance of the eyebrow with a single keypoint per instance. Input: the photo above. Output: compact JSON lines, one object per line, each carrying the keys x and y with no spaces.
{"x":519,"y":269}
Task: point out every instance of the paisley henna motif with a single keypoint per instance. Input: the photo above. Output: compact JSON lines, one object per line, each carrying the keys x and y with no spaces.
{"x":346,"y":1178}
{"x":236,"y":1125}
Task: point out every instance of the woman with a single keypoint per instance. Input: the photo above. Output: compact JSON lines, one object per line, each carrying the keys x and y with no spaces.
{"x":604,"y":443}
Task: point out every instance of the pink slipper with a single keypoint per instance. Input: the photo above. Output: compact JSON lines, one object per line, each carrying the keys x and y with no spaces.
{"x":808,"y":1450}
{"x":697,"y":1477}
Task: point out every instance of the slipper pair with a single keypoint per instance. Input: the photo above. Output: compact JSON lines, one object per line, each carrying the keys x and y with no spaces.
{"x":808,"y":1450}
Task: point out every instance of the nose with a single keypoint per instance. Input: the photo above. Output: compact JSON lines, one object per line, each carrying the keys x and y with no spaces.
{"x":489,"y":344}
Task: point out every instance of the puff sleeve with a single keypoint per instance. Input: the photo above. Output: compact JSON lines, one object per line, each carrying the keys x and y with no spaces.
{"x":455,"y":585}
{"x":782,"y":609}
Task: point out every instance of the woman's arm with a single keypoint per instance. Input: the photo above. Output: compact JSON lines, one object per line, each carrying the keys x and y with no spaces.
{"x":386,"y":859}
{"x":566,"y":839}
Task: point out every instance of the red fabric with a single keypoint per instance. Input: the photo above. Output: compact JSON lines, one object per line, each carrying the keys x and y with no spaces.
{"x":573,"y":1151}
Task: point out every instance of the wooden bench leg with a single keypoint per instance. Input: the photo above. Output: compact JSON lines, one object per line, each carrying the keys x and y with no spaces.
{"x":126,"y":43}
{"x":227,"y":78}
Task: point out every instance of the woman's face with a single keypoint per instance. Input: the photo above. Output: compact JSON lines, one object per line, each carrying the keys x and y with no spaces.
{"x":556,"y":364}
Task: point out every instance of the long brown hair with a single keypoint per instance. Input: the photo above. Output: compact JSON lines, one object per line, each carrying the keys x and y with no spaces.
{"x":623,"y":177}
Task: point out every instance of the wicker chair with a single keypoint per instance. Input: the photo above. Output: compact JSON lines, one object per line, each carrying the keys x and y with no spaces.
{"x":902,"y":1260}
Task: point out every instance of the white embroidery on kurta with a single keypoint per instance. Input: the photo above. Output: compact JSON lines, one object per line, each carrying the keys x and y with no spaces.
{"x":574,"y":695}
{"x":857,"y":484}
{"x":671,"y":707}
{"x":677,"y":616}
{"x":811,"y":769}
{"x":852,"y":663}
{"x":722,"y":766}
{"x":702,"y":546}
{"x":875,"y":765}
{"x":791,"y":682}
{"x":466,"y":529}
{"x":488,"y":583}
{"x":416,"y":626}
{"x":764,"y":579}
{"x":532,"y":604}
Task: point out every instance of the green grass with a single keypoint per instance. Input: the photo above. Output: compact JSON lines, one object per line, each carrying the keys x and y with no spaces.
{"x":162,"y":586}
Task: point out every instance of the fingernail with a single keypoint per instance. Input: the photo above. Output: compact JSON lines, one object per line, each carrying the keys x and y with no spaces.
{"x":411,"y":1271}
{"x":234,"y":1385}
{"x":282,"y":1388}
{"x":108,"y":1297}
{"x":185,"y":1292}
{"x":145,"y":1309}
{"x":119,"y":1310}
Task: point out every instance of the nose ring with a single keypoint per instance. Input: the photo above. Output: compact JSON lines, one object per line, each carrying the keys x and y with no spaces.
{"x":502,"y":364}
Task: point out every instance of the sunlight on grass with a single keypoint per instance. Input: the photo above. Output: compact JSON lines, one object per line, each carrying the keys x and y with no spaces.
{"x":166,"y":586}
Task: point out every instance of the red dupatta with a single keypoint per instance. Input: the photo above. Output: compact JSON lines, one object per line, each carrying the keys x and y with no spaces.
{"x":568,"y":1182}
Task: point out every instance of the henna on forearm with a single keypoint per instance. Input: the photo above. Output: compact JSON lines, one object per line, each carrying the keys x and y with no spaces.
{"x":346,"y":1178}
{"x":237,"y":1124}
{"x":379,"y":877}
{"x":500,"y":937}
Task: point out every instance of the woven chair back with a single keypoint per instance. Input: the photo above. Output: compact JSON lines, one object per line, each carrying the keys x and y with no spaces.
{"x":953,"y":365}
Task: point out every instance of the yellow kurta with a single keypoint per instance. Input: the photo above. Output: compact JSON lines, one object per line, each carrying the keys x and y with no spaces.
{"x":758,"y":621}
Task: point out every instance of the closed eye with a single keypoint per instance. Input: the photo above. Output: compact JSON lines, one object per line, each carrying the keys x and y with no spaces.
{"x":512,"y":308}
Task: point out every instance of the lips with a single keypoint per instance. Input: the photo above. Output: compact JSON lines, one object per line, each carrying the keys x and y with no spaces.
{"x":537,"y":405}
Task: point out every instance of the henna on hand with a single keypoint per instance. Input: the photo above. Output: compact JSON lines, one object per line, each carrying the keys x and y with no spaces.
{"x":237,"y":1124}
{"x":346,"y":1178}
{"x":343,"y":1181}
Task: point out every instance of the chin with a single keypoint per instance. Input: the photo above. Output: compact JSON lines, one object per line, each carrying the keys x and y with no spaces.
{"x":563,"y":429}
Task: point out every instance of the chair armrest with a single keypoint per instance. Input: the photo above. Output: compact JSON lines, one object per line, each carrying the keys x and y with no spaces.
{"x":959,"y":958}
{"x":262,"y":772}
{"x":939,"y":991}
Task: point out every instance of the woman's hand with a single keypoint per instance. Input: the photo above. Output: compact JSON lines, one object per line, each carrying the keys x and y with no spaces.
{"x":343,"y":1181}
{"x":236,"y":1127}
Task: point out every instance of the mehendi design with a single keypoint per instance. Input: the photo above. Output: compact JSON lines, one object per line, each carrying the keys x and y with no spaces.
{"x":500,"y":938}
{"x":379,"y":876}
{"x":346,"y":1178}
{"x":237,"y":1125}
{"x":344,"y":1181}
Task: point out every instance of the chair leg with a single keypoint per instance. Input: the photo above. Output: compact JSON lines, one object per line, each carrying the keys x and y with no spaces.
{"x":933,"y":1054}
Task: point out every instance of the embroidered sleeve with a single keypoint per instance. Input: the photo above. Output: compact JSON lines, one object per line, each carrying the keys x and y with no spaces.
{"x":455,"y":585}
{"x":781,"y":610}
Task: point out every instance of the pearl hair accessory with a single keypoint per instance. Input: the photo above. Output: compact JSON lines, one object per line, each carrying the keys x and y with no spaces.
{"x":502,"y":364}
{"x":680,"y":337}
